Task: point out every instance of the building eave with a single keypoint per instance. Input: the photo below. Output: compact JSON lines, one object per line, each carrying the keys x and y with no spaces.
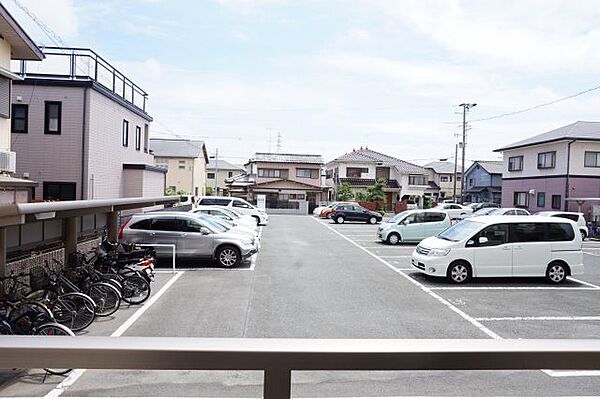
{"x":22,"y":46}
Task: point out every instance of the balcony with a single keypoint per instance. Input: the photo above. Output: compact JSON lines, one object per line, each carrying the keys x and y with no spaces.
{"x":81,"y":64}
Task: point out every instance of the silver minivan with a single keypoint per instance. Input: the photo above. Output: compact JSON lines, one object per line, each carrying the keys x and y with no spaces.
{"x":413,"y":226}
{"x":194,"y":237}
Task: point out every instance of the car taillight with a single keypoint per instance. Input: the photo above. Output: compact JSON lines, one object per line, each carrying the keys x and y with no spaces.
{"x":120,"y":236}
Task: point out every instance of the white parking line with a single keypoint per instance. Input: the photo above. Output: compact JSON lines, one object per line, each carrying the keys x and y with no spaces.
{"x":352,"y":397}
{"x":583,"y":282}
{"x":443,"y":301}
{"x":513,"y":288}
{"x":395,"y":256}
{"x":540,"y":318}
{"x":76,"y":374}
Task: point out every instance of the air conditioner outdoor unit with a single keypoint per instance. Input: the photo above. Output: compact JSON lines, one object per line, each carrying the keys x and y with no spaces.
{"x":8,"y":161}
{"x":532,"y":191}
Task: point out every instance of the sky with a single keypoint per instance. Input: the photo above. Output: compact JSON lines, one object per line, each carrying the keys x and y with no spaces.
{"x":331,"y":76}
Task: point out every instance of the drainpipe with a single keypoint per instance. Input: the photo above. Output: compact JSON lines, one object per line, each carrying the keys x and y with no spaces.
{"x":566,"y":206}
{"x":84,"y":181}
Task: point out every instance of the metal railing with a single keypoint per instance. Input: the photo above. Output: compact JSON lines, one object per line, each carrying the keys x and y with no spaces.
{"x":66,"y":63}
{"x":279,"y":357}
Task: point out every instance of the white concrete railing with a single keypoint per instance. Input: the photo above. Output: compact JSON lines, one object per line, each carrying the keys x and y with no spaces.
{"x":278,"y":357}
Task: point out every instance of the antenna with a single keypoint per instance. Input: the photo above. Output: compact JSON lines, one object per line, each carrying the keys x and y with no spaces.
{"x":279,"y":142}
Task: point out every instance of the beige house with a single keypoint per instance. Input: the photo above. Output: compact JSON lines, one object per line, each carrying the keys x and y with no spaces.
{"x":185,"y":161}
{"x":284,"y":179}
{"x":15,"y":44}
{"x":218,"y":171}
{"x":441,"y":180}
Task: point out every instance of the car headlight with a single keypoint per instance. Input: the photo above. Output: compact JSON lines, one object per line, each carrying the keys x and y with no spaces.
{"x":439,"y":252}
{"x":248,"y":242}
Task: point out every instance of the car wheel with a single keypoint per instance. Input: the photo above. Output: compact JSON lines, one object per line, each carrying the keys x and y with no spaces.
{"x":372,"y":220}
{"x":393,"y":239}
{"x":459,"y":272}
{"x":257,"y":219}
{"x":556,"y":273}
{"x":228,"y":256}
{"x":339,"y":219}
{"x":583,"y":235}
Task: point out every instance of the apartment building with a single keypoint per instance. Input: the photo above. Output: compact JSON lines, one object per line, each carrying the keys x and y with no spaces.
{"x":185,"y":162}
{"x":15,"y":45}
{"x":554,"y":170}
{"x":218,"y":171}
{"x":441,"y":181}
{"x":483,"y":182}
{"x":282,"y":178}
{"x":80,"y":129}
{"x":363,"y":167}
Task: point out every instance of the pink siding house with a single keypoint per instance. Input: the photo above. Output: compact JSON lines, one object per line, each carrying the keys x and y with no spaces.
{"x":83,"y":131}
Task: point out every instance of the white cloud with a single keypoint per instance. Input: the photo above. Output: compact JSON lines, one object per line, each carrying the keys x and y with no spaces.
{"x":58,"y":15}
{"x":248,"y":6}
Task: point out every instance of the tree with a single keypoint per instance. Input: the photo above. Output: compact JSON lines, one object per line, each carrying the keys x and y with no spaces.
{"x":375,"y":192}
{"x":209,"y":191}
{"x":345,"y":192}
{"x":360,"y":196}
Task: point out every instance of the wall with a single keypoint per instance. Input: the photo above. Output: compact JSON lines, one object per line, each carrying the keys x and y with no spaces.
{"x":106,"y":152}
{"x":530,"y":155}
{"x":222,"y":175}
{"x":480,"y":177}
{"x":578,"y":150}
{"x":291,"y":167}
{"x":199,"y":176}
{"x":179,"y":178}
{"x":49,"y":157}
{"x":5,"y":51}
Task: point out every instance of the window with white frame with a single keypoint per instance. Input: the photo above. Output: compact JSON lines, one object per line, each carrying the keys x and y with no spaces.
{"x":417,"y":180}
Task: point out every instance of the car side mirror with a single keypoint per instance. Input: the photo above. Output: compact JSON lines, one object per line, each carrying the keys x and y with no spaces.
{"x":204,"y":230}
{"x":483,"y":240}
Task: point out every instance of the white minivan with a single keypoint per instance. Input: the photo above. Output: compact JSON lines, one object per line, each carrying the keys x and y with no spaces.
{"x":239,"y":205}
{"x":503,"y":246}
{"x":413,"y":226}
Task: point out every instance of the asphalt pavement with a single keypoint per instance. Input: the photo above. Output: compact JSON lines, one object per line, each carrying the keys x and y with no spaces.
{"x":317,"y":279}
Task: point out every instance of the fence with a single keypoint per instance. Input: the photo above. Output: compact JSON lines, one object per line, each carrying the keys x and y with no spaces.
{"x":279,"y":357}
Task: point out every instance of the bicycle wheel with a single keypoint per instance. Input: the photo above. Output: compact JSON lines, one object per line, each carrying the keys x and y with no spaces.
{"x":27,"y":314}
{"x":74,"y":310}
{"x":54,"y":329}
{"x":106,"y":297}
{"x":136,"y":289}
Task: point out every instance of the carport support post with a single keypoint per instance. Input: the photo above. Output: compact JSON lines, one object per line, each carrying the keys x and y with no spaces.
{"x":70,"y":238}
{"x":277,"y":384}
{"x":2,"y":256}
{"x":112,"y":226}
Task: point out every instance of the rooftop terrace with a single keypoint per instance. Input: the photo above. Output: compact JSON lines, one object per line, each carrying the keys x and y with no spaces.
{"x":82,"y":64}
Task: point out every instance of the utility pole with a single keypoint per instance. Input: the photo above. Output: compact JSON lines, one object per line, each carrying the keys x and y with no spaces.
{"x":455,"y":170}
{"x":216,"y":171}
{"x":466,"y":107}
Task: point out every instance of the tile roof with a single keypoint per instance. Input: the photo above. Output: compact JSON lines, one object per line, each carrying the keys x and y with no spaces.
{"x":441,"y":167}
{"x":492,"y":167}
{"x":222,"y":164}
{"x":177,"y":148}
{"x":291,"y":158}
{"x":580,"y":130}
{"x":357,"y":181}
{"x":366,"y":155}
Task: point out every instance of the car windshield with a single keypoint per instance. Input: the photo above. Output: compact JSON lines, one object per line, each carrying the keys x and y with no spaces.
{"x":217,"y":225}
{"x":483,"y":211}
{"x":398,"y":217}
{"x":497,"y":211}
{"x":460,"y":231}
{"x":230,"y":213}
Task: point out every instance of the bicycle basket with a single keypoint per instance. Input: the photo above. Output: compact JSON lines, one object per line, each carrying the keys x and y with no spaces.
{"x":38,"y":278}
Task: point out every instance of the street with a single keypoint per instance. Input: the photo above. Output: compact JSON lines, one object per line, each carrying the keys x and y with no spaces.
{"x":317,"y":279}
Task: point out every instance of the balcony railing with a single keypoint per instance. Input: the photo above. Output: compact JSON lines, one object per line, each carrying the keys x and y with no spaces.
{"x":279,"y":357}
{"x":77,"y":64}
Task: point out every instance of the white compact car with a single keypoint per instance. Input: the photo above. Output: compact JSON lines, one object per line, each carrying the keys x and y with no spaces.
{"x":237,"y":204}
{"x":577,"y":217}
{"x":413,"y":226}
{"x":227,"y":214}
{"x":455,"y":211}
{"x":503,"y":246}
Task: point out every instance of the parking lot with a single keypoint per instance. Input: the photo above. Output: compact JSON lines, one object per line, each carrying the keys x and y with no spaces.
{"x":317,"y":279}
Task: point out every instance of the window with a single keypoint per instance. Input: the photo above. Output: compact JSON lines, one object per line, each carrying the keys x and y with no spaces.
{"x":591,"y":159}
{"x":191,"y":226}
{"x":556,"y":202}
{"x":5,"y":97}
{"x":434,"y":217}
{"x":470,"y":182}
{"x":417,"y":180}
{"x":142,"y":225}
{"x":308,"y":173}
{"x":166,"y":224}
{"x":52,"y":117}
{"x":229,"y":174}
{"x":138,"y":138}
{"x":20,"y":116}
{"x":546,"y":160}
{"x":560,"y":232}
{"x":356,"y":172}
{"x":458,"y":178}
{"x":210,"y":175}
{"x":280,"y":173}
{"x":125,"y":133}
{"x":215,"y":201}
{"x":146,"y":138}
{"x":415,"y":218}
{"x":496,"y":234}
{"x":515,"y":163}
{"x":181,"y":164}
{"x":521,"y":212}
{"x":329,"y":173}
{"x":521,"y":199}
{"x":541,"y":200}
{"x":444,"y":179}
{"x":240,"y":204}
{"x":59,"y":191}
{"x":527,"y":232}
